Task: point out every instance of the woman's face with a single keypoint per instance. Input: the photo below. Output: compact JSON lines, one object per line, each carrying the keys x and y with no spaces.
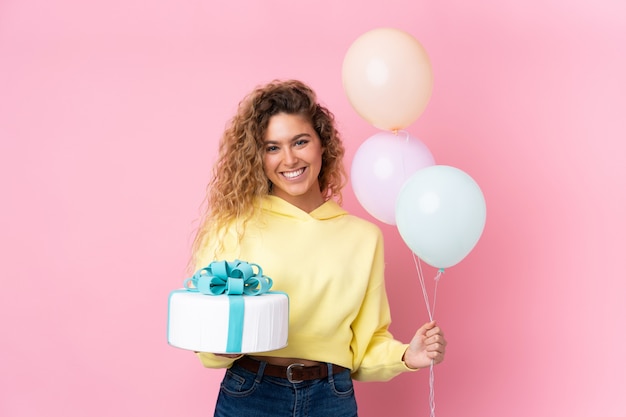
{"x":292,"y":160}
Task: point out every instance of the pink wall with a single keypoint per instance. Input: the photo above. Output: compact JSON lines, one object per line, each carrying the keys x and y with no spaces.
{"x":109,"y":116}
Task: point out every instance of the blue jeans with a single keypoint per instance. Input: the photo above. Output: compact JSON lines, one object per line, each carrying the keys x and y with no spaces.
{"x":246,"y":394}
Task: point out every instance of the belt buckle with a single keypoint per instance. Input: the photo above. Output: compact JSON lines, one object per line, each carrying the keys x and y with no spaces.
{"x":290,"y":373}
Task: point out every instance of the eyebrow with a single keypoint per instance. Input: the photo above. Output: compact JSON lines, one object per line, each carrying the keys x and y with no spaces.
{"x":298,"y":136}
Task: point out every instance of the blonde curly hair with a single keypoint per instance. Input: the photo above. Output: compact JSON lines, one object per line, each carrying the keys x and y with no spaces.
{"x":238,"y":178}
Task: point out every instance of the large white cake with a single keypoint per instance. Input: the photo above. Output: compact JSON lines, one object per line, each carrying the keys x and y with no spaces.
{"x":200,"y":322}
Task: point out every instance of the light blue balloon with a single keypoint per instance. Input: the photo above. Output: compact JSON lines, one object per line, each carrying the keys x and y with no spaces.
{"x":440,"y":214}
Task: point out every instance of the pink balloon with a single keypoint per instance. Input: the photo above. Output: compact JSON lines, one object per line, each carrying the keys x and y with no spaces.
{"x":381,"y":166}
{"x":388,"y":78}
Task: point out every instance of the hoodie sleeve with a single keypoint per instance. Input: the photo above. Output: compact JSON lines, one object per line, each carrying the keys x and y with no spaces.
{"x":210,"y":360}
{"x":377,"y":355}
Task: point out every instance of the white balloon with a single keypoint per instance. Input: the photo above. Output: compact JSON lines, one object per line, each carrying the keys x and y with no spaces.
{"x":440,"y":214}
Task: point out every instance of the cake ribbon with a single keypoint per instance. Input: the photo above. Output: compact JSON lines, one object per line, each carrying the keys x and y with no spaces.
{"x":234,"y":279}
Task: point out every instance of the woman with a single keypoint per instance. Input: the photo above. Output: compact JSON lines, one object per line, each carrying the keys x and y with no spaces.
{"x":274,"y":200}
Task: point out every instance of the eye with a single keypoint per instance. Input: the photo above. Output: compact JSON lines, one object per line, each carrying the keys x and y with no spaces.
{"x":301,"y":142}
{"x":271,"y":148}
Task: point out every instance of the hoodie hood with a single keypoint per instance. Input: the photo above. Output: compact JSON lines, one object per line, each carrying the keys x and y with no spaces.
{"x":277,"y":206}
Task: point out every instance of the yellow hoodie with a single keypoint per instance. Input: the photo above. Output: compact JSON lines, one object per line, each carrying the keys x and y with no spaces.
{"x":331,"y":265}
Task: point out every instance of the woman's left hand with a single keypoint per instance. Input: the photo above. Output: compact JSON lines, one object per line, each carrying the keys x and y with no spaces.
{"x":428,"y":345}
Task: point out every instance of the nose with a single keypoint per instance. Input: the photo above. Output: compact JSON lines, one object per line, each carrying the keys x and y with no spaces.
{"x":290,"y":157}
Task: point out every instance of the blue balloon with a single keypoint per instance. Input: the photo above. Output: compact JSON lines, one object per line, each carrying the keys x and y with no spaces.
{"x":440,"y":214}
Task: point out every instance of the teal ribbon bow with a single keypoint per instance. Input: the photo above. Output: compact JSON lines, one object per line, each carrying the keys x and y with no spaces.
{"x":234,"y":279}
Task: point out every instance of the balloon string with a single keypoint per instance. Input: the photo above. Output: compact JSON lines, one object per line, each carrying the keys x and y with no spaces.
{"x":420,"y":274}
{"x":405,"y":175}
{"x":431,"y":316}
{"x":431,"y":383}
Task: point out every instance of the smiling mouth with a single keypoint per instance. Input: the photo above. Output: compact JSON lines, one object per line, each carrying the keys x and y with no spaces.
{"x":293,"y":174}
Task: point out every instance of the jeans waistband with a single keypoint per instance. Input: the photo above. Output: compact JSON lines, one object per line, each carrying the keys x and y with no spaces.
{"x":295,"y":372}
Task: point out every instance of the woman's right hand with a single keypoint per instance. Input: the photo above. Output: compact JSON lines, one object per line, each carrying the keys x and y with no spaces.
{"x":226,"y":355}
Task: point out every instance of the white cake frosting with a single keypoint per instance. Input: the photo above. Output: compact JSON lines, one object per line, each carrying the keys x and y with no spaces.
{"x":200,"y":322}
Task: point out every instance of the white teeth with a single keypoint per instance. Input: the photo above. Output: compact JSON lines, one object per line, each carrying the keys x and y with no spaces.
{"x":293,"y":174}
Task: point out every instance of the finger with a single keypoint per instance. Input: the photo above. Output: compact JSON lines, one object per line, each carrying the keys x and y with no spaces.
{"x":228,"y":355}
{"x":436,"y":347}
{"x":437,"y":358}
{"x":436,"y":343}
{"x":426,"y":328}
{"x":436,"y":355}
{"x":434,"y":330}
{"x":437,"y":338}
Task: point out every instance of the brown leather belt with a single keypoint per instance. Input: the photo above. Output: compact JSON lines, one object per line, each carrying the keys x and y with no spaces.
{"x":296,"y":372}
